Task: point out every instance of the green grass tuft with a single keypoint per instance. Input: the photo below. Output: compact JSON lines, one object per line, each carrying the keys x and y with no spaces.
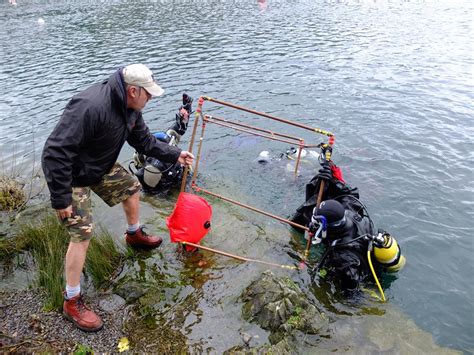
{"x":48,"y":241}
{"x":103,"y":259}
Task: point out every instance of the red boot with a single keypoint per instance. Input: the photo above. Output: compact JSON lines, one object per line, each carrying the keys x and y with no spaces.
{"x":140,"y":239}
{"x":80,"y":315}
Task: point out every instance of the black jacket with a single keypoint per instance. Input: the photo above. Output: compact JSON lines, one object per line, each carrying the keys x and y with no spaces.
{"x":87,"y":140}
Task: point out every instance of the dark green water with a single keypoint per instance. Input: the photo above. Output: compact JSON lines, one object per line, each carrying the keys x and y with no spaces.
{"x":391,"y":79}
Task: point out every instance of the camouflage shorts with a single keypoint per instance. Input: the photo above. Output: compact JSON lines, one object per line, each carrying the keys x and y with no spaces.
{"x":115,"y":187}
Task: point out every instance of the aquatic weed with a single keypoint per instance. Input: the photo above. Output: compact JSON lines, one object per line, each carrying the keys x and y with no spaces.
{"x":83,"y":350}
{"x":286,"y":281}
{"x":295,"y":319}
{"x":9,"y":247}
{"x":12,"y":196}
{"x":17,"y":188}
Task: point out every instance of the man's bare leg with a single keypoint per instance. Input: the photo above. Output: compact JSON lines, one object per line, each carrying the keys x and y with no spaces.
{"x":137,"y":238}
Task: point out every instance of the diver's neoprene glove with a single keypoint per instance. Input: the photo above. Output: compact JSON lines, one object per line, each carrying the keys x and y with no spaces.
{"x":182,"y":123}
{"x":325,"y":172}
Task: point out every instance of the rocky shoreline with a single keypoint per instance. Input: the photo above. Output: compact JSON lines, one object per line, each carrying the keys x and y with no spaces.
{"x":276,"y":304}
{"x":150,"y":302}
{"x":26,"y":327}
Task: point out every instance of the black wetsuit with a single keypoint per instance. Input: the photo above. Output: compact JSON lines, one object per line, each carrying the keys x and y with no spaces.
{"x":345,"y":259}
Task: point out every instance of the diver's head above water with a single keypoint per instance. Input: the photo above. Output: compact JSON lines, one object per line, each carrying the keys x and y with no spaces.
{"x":338,"y":225}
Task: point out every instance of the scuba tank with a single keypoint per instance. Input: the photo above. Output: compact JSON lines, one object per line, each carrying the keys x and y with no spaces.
{"x":154,"y":174}
{"x":387,"y":252}
{"x":349,"y":236}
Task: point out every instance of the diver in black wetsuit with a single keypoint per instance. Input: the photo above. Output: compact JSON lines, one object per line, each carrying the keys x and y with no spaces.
{"x":154,"y":175}
{"x":342,"y":224}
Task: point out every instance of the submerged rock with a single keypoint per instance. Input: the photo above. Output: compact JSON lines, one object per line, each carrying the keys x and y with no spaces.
{"x":280,"y":306}
{"x":130,"y":290}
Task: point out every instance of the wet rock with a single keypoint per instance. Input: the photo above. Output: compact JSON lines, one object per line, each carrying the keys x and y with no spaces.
{"x":130,"y":290}
{"x":33,"y":212}
{"x":280,"y":306}
{"x":111,"y":303}
{"x":282,"y":347}
{"x":239,"y":349}
{"x":6,"y":223}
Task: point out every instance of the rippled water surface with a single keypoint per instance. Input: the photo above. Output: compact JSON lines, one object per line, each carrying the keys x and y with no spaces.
{"x":391,"y":79}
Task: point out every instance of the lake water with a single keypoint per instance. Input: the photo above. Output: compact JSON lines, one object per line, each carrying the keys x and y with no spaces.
{"x":391,"y":79}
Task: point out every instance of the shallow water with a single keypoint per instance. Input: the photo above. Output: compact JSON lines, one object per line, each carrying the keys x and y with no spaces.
{"x":392,"y":80}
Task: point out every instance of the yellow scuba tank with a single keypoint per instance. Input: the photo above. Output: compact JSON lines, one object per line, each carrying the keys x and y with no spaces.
{"x":387,"y":252}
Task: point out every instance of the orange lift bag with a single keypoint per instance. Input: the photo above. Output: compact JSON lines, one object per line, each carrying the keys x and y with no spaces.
{"x":190,"y":220}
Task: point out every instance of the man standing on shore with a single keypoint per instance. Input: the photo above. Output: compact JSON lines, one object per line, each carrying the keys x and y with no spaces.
{"x":81,"y":155}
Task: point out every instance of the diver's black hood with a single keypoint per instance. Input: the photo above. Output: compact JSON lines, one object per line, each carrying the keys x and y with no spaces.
{"x":347,"y":231}
{"x":332,"y":210}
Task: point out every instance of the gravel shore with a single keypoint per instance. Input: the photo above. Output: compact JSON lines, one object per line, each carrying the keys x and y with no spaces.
{"x":26,"y":327}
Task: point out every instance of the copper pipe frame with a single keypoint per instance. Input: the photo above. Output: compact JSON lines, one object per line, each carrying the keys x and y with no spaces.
{"x":241,"y":258}
{"x":263,"y":114}
{"x":270,"y":134}
{"x":229,"y":124}
{"x":200,"y":189}
{"x":198,"y":114}
{"x":198,"y":157}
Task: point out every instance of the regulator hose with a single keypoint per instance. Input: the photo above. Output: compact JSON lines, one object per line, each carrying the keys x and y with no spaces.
{"x":369,"y":249}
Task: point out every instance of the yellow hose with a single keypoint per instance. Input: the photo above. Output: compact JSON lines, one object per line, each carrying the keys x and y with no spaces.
{"x":375,"y":275}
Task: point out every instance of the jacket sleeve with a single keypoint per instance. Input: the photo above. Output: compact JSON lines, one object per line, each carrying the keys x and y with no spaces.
{"x":60,"y":151}
{"x":144,"y":142}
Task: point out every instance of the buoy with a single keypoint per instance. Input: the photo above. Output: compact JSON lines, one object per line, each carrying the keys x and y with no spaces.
{"x":190,"y":220}
{"x":41,"y":22}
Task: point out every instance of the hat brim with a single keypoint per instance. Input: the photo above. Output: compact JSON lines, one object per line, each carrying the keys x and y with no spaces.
{"x":154,"y":89}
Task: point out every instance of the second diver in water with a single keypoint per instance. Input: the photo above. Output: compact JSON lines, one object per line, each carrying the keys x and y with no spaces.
{"x":157,"y":176}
